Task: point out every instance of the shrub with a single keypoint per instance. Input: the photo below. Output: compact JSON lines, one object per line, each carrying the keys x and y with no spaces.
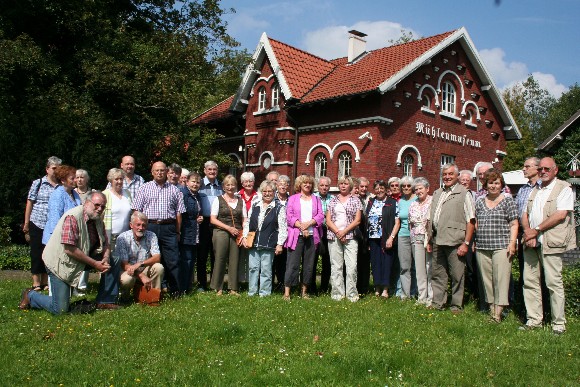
{"x":571,"y":278}
{"x":15,"y":257}
{"x":5,"y":231}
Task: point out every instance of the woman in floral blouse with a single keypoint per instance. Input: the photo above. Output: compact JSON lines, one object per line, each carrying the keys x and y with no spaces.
{"x":418,"y":213}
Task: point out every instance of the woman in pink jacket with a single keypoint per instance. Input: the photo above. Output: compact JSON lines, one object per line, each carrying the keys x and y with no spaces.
{"x":304,"y":217}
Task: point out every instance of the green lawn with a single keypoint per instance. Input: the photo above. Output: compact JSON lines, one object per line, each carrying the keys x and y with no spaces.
{"x":205,"y":340}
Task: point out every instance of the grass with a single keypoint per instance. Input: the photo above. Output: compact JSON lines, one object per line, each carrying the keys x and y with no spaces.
{"x":208,"y":340}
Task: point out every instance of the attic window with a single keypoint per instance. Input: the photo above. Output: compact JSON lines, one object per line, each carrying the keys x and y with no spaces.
{"x":261,"y":98}
{"x":448,"y":98}
{"x":275,"y":95}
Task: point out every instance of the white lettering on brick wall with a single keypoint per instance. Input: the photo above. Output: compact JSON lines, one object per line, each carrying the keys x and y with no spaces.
{"x":439,"y":134}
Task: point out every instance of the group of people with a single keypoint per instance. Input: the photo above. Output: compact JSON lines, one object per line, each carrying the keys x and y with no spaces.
{"x":157,"y":234}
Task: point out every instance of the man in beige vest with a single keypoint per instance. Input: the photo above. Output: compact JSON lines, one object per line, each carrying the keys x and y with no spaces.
{"x":78,"y":236}
{"x":548,"y":224}
{"x":450,"y":229}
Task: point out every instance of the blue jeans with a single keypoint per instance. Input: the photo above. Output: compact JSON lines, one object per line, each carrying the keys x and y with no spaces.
{"x":260,"y":261}
{"x":167,"y":237}
{"x":188,"y":256}
{"x":109,"y":285}
{"x":59,"y":300}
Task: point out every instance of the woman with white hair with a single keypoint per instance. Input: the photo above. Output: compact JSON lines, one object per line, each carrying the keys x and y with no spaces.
{"x":267,"y":220}
{"x":418,"y":213}
{"x":250,"y":197}
{"x":82,"y":179}
{"x":405,"y":252}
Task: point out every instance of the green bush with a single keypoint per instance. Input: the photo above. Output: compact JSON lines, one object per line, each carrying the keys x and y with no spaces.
{"x":571,"y":278}
{"x":15,"y":257}
{"x":5,"y":231}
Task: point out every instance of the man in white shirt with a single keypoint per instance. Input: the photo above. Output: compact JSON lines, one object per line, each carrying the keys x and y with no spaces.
{"x":548,"y":224}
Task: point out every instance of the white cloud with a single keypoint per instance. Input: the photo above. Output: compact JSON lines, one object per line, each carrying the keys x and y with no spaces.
{"x":332,"y":42}
{"x":506,"y":74}
{"x":245,"y":21}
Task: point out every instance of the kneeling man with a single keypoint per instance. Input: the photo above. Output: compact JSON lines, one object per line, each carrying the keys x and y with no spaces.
{"x":138,"y":251}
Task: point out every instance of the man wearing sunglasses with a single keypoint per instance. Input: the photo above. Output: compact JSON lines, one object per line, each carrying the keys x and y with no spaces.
{"x":548,"y":223}
{"x":77,"y":238}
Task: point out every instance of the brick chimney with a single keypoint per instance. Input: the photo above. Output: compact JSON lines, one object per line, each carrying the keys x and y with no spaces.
{"x":357,"y":44}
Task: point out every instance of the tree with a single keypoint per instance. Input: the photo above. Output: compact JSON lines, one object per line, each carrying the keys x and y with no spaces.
{"x":529,"y":105}
{"x":90,"y":81}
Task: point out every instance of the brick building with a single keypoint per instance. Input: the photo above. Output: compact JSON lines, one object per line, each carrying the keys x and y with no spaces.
{"x":400,"y":110}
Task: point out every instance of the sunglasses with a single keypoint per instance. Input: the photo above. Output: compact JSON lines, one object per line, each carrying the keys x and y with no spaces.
{"x":544,"y":169}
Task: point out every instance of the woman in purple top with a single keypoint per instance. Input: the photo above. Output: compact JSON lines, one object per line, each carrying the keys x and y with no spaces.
{"x":304,"y":217}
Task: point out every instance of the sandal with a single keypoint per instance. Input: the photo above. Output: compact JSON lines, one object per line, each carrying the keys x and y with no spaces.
{"x":45,"y":287}
{"x":37,"y":288}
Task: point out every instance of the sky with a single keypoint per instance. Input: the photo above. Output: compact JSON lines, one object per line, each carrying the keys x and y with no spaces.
{"x":515,"y":38}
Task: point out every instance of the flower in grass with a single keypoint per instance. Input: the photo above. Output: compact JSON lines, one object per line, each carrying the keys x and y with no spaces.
{"x":138,"y":380}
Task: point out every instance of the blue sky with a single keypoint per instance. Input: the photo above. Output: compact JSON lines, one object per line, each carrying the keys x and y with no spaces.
{"x":515,"y":38}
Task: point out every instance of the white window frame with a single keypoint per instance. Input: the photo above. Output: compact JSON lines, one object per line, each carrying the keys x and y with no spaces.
{"x":344,"y":164}
{"x":320,"y":165}
{"x":275,"y":95}
{"x":408,"y":162}
{"x":261,"y":99}
{"x":449,"y":98}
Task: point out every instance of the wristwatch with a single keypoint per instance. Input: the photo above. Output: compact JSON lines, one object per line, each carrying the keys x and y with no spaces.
{"x":466,"y":243}
{"x":537,"y":228}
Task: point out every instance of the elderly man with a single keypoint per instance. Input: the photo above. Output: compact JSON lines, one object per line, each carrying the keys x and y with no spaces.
{"x":363,"y":254}
{"x":138,"y":251}
{"x":548,"y":223}
{"x":273,"y":176}
{"x":212,"y":188}
{"x":450,"y":230}
{"x":77,"y":238}
{"x":162,"y":203}
{"x":132,"y":181}
{"x":174,"y":173}
{"x":323,"y":188}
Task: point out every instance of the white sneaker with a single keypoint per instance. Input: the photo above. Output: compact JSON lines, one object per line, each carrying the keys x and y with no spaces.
{"x":79,"y":292}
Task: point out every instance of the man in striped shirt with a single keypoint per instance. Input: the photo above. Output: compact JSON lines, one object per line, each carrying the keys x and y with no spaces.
{"x":163,"y":205}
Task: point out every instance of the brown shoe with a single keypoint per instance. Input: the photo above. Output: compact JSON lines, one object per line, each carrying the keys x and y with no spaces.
{"x":109,"y":306}
{"x":24,"y":300}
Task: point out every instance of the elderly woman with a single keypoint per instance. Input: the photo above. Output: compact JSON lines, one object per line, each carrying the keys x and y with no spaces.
{"x":82,"y":180}
{"x":117,"y":216}
{"x":382,"y":220}
{"x":228,"y":215}
{"x":304,"y":217}
{"x":394,"y":187}
{"x":267,"y":219}
{"x":418,"y":214}
{"x":250,"y":197}
{"x":496,"y":215}
{"x":281,"y":196}
{"x":343,"y":216}
{"x":190,"y":222}
{"x":62,"y":199}
{"x":405,"y":252}
{"x":35,"y":217}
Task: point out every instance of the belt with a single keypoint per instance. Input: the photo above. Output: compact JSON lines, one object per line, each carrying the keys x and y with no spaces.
{"x":162,"y":221}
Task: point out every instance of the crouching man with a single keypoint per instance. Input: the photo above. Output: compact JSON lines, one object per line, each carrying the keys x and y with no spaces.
{"x":138,"y":251}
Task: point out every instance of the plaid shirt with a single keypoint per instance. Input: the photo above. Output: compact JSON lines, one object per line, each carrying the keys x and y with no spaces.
{"x":493,"y":225}
{"x":325,"y":202}
{"x":130,"y":250}
{"x":159,"y":202}
{"x":352,"y":205}
{"x":40,"y":196}
{"x":524,"y":194}
{"x":132,"y":186}
{"x":212,"y":191}
{"x":70,"y":232}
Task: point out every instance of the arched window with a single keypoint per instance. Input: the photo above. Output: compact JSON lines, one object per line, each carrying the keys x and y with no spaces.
{"x":261,"y":98}
{"x":426,"y":101}
{"x":408,"y":166}
{"x":448,"y":98}
{"x":275,"y":95}
{"x":344,"y":164}
{"x":320,"y":163}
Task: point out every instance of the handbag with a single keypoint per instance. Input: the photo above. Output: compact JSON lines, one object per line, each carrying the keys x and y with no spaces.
{"x":250,"y":238}
{"x":151,"y":297}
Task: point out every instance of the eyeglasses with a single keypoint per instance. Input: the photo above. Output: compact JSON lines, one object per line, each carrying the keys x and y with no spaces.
{"x":393,"y":185}
{"x":544,"y":169}
{"x":97,"y":205}
{"x":406,"y":185}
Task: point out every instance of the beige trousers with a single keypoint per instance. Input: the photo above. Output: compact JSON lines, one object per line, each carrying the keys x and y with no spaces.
{"x":155,"y":272}
{"x":494,"y":268}
{"x":534,"y":261}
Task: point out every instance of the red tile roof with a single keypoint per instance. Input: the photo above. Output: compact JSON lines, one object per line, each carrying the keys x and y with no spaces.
{"x":301,"y":69}
{"x":371,"y":70}
{"x":216,"y":113}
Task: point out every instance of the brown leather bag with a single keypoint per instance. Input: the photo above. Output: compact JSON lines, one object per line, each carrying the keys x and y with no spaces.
{"x":250,"y":238}
{"x":151,"y":297}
